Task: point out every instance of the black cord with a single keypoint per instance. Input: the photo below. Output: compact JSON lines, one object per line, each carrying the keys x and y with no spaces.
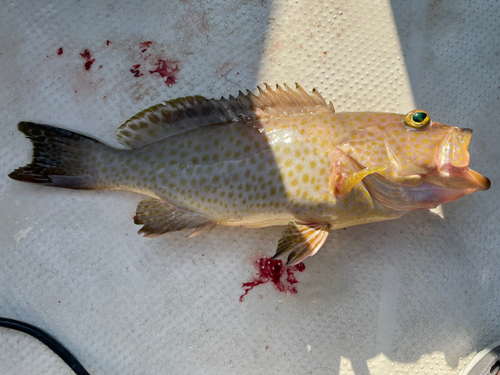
{"x":48,"y":340}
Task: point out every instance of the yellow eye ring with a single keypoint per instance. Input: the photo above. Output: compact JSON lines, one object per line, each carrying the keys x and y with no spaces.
{"x":418,"y":119}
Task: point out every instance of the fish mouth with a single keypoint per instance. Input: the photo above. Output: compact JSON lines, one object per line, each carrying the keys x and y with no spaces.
{"x":453,"y":148}
{"x":477,"y":180}
{"x":451,"y":179}
{"x":454,"y":172}
{"x":459,"y":178}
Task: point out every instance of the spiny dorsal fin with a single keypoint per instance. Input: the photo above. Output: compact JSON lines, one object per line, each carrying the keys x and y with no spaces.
{"x":182,"y":114}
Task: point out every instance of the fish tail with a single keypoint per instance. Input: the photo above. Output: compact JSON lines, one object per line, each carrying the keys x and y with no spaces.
{"x":60,"y":158}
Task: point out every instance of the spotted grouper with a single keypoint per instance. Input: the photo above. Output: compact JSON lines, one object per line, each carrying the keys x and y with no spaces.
{"x":283,"y":157}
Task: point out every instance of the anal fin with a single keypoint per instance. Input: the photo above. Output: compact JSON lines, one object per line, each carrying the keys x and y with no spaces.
{"x":301,"y":241}
{"x":159,"y":218}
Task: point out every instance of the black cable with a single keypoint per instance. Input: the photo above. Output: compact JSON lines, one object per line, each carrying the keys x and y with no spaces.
{"x":48,"y":340}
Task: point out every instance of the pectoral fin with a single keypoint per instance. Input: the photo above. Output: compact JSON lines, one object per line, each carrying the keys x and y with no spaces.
{"x":301,"y":241}
{"x":345,"y":183}
{"x":159,"y":218}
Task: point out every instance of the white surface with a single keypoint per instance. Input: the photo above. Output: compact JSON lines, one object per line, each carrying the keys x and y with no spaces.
{"x":417,"y":295}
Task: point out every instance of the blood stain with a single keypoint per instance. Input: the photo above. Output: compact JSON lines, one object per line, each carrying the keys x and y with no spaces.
{"x":108,"y":42}
{"x":88,"y":64}
{"x":146,"y":44}
{"x":167,"y":69}
{"x":87,"y":56}
{"x":135,"y":71}
{"x":60,"y":51}
{"x":274,"y":271}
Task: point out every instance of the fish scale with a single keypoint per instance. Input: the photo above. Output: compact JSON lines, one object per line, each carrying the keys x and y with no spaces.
{"x":283,"y":157}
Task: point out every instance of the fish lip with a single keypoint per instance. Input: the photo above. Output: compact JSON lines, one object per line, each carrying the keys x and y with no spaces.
{"x":478,"y":179}
{"x":461,"y":178}
{"x":481,"y":181}
{"x":454,"y":147}
{"x":452,"y":172}
{"x":466,"y":137}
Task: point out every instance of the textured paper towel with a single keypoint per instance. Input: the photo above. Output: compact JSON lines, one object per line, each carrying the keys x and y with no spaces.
{"x":418,"y":295}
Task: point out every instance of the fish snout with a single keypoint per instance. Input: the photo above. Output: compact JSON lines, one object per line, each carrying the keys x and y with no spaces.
{"x":457,"y":148}
{"x":462,"y":178}
{"x":478,"y":180}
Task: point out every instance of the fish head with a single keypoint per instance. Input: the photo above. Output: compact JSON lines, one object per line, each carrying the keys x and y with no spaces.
{"x":427,"y":162}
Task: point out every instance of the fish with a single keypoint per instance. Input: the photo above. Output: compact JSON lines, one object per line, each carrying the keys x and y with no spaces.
{"x":283,"y":157}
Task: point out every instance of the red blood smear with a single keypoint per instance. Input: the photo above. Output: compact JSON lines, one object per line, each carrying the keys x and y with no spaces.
{"x":135,"y":71}
{"x":167,"y":69}
{"x":87,"y":56}
{"x":146,"y":44}
{"x":88,"y":64}
{"x":60,"y":51}
{"x":274,"y":270}
{"x":108,"y":42}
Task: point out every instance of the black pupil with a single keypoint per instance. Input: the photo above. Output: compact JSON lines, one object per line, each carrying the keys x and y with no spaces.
{"x":419,"y":117}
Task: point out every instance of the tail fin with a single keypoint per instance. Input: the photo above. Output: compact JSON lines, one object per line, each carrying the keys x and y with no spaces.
{"x":60,"y":158}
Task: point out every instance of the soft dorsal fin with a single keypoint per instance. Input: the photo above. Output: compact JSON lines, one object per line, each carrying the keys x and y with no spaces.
{"x":182,"y":114}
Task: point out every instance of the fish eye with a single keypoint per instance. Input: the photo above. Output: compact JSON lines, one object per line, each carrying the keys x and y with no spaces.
{"x":417,"y":119}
